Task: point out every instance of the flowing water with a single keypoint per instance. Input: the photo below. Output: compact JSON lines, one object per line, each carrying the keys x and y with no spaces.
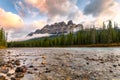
{"x":67,"y":63}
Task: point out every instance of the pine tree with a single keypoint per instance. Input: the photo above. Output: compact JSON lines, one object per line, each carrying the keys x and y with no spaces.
{"x":3,"y":42}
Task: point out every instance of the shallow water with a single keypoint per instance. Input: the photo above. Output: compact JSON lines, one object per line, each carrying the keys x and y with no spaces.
{"x":76,"y":59}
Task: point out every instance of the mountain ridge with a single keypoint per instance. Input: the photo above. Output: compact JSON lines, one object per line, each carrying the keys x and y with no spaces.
{"x":57,"y":28}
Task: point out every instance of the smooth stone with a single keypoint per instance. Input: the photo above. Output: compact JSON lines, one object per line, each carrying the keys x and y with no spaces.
{"x":2,"y":77}
{"x":114,"y":65}
{"x":22,"y":69}
{"x":19,"y":75}
{"x":35,"y":69}
{"x":17,"y":62}
{"x":5,"y":71}
{"x":47,"y":70}
{"x":29,"y":72}
{"x":31,"y":66}
{"x":12,"y":78}
{"x":111,"y":71}
{"x":9,"y":74}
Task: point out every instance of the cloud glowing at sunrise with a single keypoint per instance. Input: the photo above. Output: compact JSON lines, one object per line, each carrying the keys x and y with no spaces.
{"x":10,"y":20}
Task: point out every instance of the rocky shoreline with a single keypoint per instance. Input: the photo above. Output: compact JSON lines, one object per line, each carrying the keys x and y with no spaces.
{"x":12,"y":70}
{"x":59,"y":65}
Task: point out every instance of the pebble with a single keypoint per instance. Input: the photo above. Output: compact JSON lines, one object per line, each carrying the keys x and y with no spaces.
{"x":29,"y":72}
{"x":12,"y":78}
{"x":21,"y":69}
{"x":8,"y":74}
{"x":87,"y":63}
{"x":44,"y":57}
{"x":111,"y":71}
{"x":17,"y":62}
{"x":5,"y":71}
{"x":44,"y":62}
{"x":114,"y":65}
{"x":47,"y":70}
{"x":31,"y":66}
{"x":35,"y":69}
{"x":2,"y":77}
{"x":19,"y":75}
{"x":118,"y":64}
{"x":9,"y":52}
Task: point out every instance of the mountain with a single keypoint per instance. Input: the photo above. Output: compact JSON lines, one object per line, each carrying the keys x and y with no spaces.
{"x":57,"y":28}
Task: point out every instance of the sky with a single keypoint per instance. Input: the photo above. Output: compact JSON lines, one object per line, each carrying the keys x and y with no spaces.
{"x":20,"y":17}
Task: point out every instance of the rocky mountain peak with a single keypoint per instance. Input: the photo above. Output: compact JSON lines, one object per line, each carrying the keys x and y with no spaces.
{"x":56,"y":28}
{"x":70,"y":22}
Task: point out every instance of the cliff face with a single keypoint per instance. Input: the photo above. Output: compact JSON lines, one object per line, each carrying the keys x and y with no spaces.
{"x":57,"y":28}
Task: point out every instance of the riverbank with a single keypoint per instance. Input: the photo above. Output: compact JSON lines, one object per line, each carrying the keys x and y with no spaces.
{"x":99,"y":45}
{"x":90,"y":45}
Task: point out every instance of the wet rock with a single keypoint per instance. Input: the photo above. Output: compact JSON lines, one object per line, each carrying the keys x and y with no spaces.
{"x":102,"y":62}
{"x":19,"y":69}
{"x":62,"y":65}
{"x":29,"y":72}
{"x":12,"y":78}
{"x":9,"y":74}
{"x":4,"y":70}
{"x":44,"y":57}
{"x":19,"y":75}
{"x":22,"y":69}
{"x":87,"y":63}
{"x":2,"y":77}
{"x":9,"y":65}
{"x":9,"y":62}
{"x":47,"y":70}
{"x":31,"y":66}
{"x":35,"y":69}
{"x":114,"y":65}
{"x":17,"y":62}
{"x":9,"y":52}
{"x":12,"y":60}
{"x":2,"y":63}
{"x":118,"y":64}
{"x":44,"y":62}
{"x":111,"y":71}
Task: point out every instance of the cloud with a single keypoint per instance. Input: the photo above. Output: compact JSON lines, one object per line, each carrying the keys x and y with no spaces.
{"x":50,"y":7}
{"x":103,"y":10}
{"x":76,"y":16}
{"x":57,"y":10}
{"x":98,"y":7}
{"x":9,"y":20}
{"x":31,"y":37}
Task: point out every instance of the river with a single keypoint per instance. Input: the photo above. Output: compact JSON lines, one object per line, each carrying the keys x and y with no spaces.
{"x":67,"y":63}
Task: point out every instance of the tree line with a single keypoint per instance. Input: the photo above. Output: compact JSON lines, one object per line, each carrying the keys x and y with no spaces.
{"x":3,"y":41}
{"x":108,"y":34}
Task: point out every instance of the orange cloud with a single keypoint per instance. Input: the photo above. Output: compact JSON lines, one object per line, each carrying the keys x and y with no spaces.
{"x":39,"y":4}
{"x":52,"y":7}
{"x":57,"y":10}
{"x":9,"y":20}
